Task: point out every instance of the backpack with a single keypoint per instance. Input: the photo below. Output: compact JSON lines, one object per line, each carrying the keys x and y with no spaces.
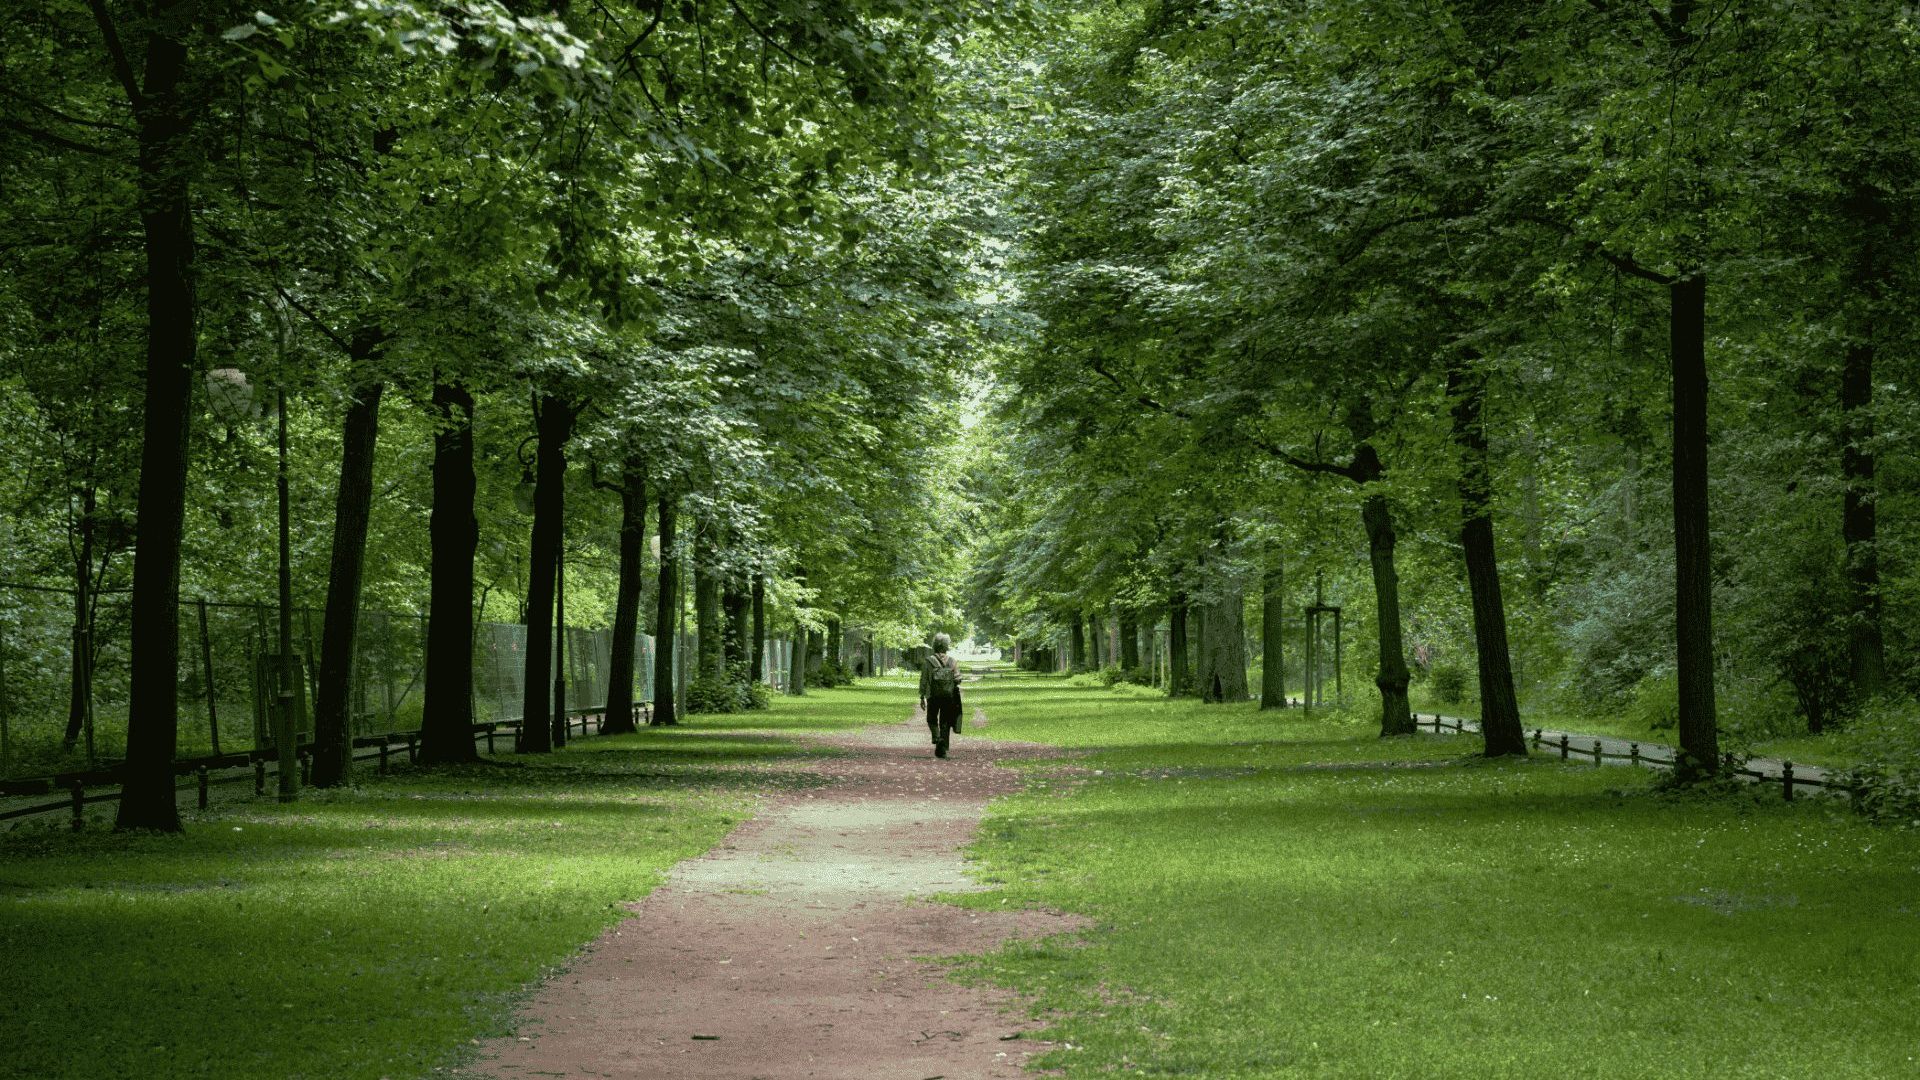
{"x":944,"y":682}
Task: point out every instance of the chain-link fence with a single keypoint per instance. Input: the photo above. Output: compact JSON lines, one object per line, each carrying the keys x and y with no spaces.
{"x":64,"y":693}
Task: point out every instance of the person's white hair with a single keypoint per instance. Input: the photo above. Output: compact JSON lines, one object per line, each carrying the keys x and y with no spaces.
{"x":941,"y":643}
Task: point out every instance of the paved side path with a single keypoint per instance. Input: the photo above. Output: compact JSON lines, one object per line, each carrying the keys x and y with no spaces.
{"x":789,"y":951}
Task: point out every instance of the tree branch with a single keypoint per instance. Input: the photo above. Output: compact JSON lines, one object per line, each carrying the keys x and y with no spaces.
{"x":121,"y":68}
{"x":60,"y":141}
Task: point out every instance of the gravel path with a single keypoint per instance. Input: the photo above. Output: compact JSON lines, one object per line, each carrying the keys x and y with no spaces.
{"x":790,"y":950}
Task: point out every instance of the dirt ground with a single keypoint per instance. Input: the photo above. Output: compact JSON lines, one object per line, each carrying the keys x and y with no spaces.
{"x":789,"y":950}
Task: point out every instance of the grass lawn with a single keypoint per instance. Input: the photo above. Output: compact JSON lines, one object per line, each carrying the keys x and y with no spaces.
{"x":370,"y":933}
{"x":1279,"y":897}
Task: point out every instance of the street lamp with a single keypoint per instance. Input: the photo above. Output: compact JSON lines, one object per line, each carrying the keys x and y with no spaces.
{"x":231,"y":396}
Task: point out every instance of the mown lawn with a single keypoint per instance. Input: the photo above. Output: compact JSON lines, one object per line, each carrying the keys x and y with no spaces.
{"x":1279,"y":897}
{"x":365,"y":934}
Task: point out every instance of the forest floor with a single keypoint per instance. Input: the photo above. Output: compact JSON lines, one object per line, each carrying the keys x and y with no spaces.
{"x":800,"y":946}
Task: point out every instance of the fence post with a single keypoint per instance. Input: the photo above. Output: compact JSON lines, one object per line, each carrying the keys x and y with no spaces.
{"x":1786,"y":780}
{"x":1633,"y":754}
{"x":1563,"y":746}
{"x":259,"y":776}
{"x":201,"y":774}
{"x":206,"y":662}
{"x":413,"y":748}
{"x":1536,"y":737}
{"x":1731,"y":765}
{"x":79,"y":805}
{"x":383,"y":756}
{"x":1597,"y":759}
{"x":489,"y":738}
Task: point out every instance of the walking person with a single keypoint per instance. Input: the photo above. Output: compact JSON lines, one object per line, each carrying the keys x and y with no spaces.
{"x":940,"y":693}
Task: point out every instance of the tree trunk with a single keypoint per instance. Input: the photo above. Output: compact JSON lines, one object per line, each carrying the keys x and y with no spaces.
{"x":833,"y":644}
{"x":446,"y":727}
{"x":166,"y":217}
{"x":620,"y":718}
{"x":710,"y":661}
{"x":1129,"y":641}
{"x":1273,"y":626}
{"x":1178,"y":683}
{"x":1077,"y":645}
{"x":553,"y":426}
{"x":733,"y":608}
{"x":1396,"y":715}
{"x":1692,"y":553}
{"x":797,"y":678}
{"x":1499,"y":707}
{"x":1222,"y":671}
{"x":756,"y":662}
{"x":666,"y":621}
{"x":816,"y":654}
{"x":339,"y":630}
{"x":80,"y":681}
{"x":1097,"y":640}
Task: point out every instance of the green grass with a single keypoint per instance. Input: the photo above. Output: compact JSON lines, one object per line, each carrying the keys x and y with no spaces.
{"x":1278,"y":897}
{"x":369,"y":933}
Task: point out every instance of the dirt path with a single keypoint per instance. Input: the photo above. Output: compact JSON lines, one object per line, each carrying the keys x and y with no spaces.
{"x":789,"y":950}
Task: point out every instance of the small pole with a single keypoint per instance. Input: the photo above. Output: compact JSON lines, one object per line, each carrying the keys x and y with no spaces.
{"x":1536,"y":737}
{"x":1732,"y":766}
{"x":489,"y":738}
{"x":201,"y":772}
{"x":1633,"y":754}
{"x":1563,"y":747}
{"x":1786,"y":780}
{"x":259,"y":776}
{"x":1596,"y":753}
{"x":79,"y":805}
{"x":383,"y":756}
{"x":413,"y":748}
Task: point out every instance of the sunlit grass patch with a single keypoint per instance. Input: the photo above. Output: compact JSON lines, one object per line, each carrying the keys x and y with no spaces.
{"x":1323,"y":902}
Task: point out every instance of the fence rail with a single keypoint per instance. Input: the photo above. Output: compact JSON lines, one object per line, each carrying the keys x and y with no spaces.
{"x":264,"y":764}
{"x":1634,"y":756}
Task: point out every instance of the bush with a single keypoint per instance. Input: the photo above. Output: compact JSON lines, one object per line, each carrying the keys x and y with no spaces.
{"x":733,"y":694}
{"x":829,"y":674}
{"x":1656,"y":703}
{"x":1448,"y":682}
{"x":1887,"y":789}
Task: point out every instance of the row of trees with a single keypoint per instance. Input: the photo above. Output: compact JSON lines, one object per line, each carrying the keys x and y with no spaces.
{"x":1628,"y":286}
{"x":697,"y":248}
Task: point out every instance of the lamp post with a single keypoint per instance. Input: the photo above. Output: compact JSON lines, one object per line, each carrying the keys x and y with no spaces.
{"x":232,"y":398}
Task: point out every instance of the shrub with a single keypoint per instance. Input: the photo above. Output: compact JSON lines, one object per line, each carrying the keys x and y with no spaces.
{"x":1448,"y":683}
{"x":1656,"y":703}
{"x":733,"y":694}
{"x":1887,"y":789}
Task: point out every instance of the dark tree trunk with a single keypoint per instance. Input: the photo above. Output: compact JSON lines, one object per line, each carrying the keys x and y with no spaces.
{"x":1097,"y":641}
{"x":1273,"y":626}
{"x":1129,"y":641}
{"x":1077,"y":644}
{"x":620,"y":718}
{"x":166,"y":217}
{"x":666,"y":615}
{"x":1222,"y":671}
{"x":352,"y":506}
{"x":553,"y":426}
{"x":1178,"y":683}
{"x":733,"y":606}
{"x":1866,"y":648}
{"x":797,"y":677}
{"x":80,"y":681}
{"x":816,"y":654}
{"x":709,"y":649}
{"x":446,"y":727}
{"x":1499,"y":708}
{"x":1396,"y":715}
{"x":1693,"y":571}
{"x":833,"y":643}
{"x":756,"y":662}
